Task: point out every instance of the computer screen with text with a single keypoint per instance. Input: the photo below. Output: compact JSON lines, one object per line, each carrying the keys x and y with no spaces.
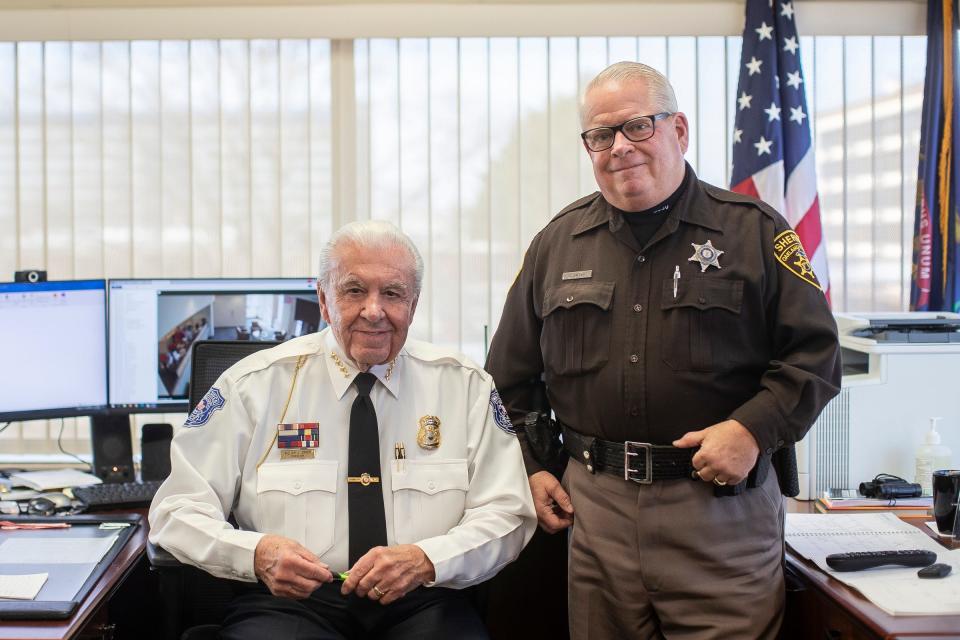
{"x":54,"y":348}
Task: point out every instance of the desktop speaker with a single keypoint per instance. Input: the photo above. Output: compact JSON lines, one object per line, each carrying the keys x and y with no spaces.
{"x":112,"y":448}
{"x":30,"y":275}
{"x":155,"y":451}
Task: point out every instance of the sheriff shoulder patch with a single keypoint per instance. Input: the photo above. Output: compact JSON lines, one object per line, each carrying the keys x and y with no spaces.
{"x":790,"y":254}
{"x":212,"y":401}
{"x":500,"y":415}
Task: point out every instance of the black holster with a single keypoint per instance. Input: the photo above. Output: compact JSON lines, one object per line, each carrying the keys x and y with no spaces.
{"x":543,"y":441}
{"x":784,"y":463}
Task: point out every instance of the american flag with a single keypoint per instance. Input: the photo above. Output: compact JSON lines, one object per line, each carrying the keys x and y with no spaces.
{"x":772,"y":147}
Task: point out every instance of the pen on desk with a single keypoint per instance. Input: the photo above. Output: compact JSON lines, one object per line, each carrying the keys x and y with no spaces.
{"x":8,"y":525}
{"x":676,"y":280}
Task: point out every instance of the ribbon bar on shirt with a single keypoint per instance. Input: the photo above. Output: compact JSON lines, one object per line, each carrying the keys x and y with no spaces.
{"x":298,"y":435}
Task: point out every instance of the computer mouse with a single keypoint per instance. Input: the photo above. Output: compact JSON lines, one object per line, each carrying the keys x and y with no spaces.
{"x":938,"y":570}
{"x":49,"y":503}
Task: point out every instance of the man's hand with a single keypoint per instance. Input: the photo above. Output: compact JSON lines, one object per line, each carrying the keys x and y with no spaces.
{"x":554,"y":509}
{"x":289,"y":569}
{"x":386,"y":574}
{"x":727,"y":453}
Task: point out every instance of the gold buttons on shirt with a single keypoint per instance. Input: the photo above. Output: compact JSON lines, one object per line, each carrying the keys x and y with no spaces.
{"x":638,"y":308}
{"x":634,"y":358}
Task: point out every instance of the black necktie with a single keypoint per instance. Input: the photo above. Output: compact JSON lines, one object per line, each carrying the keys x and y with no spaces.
{"x":368,"y":526}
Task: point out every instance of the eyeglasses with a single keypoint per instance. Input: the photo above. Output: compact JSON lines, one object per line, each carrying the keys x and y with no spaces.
{"x":635,"y":130}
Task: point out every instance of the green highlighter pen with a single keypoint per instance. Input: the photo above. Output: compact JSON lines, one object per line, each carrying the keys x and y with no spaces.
{"x":342,"y":576}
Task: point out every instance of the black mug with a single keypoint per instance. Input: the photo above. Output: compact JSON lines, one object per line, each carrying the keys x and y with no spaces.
{"x":946,"y":492}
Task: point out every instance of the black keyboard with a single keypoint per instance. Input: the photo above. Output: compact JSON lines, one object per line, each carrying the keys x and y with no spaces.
{"x":118,"y":494}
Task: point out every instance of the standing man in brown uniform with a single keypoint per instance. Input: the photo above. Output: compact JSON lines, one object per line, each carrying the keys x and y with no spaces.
{"x":678,"y":327}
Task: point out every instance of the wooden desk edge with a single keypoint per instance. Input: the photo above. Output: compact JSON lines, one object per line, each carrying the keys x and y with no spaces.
{"x":865,"y":612}
{"x":99,"y":595}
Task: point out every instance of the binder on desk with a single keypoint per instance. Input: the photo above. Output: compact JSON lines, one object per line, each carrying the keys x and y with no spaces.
{"x":896,"y":590}
{"x":69,"y":578}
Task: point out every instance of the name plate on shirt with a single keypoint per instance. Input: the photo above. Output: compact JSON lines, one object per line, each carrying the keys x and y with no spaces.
{"x":297,"y":440}
{"x":296,"y":454}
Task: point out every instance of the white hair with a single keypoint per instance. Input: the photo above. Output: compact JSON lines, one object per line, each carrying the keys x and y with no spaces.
{"x":379,"y":234}
{"x":657,"y":85}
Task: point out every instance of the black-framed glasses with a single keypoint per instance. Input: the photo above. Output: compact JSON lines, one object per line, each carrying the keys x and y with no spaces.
{"x":635,"y":130}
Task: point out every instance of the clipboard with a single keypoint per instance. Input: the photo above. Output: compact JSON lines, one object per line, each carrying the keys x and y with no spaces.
{"x":54,"y":601}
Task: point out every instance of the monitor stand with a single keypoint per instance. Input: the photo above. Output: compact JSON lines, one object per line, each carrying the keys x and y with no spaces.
{"x":112,"y":448}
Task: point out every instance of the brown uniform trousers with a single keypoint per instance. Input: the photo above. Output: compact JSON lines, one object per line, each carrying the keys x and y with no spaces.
{"x":670,"y":560}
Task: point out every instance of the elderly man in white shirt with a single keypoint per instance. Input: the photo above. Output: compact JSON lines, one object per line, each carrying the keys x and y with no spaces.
{"x":286,"y":440}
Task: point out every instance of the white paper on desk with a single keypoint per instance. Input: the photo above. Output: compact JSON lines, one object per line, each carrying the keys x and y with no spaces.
{"x":896,"y":590}
{"x":24,"y":587}
{"x":26,"y":550}
{"x":57,"y":479}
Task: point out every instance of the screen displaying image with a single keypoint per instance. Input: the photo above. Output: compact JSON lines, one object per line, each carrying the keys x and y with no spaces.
{"x":154,"y":324}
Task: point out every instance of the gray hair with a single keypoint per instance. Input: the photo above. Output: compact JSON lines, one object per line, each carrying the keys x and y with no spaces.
{"x":664,"y":99}
{"x":369,"y":233}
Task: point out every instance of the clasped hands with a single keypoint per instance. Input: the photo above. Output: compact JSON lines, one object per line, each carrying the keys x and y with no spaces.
{"x":728,"y":451}
{"x":384,"y":574}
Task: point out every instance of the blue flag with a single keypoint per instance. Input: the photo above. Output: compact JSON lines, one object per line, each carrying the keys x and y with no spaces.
{"x":935,"y":285}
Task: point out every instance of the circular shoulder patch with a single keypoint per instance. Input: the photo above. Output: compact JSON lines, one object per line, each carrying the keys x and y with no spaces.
{"x":212,"y":401}
{"x":500,"y":415}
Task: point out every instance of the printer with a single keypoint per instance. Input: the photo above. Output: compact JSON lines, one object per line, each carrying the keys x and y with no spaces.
{"x":899,"y":370}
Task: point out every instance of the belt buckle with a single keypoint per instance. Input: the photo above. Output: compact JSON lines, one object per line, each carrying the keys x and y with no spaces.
{"x":633,"y":449}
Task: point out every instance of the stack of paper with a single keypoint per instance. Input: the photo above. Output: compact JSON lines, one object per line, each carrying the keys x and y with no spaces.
{"x":896,"y":590}
{"x":57,"y":479}
{"x":22,"y":587}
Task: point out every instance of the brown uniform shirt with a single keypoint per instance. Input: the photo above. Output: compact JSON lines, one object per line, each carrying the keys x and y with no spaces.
{"x":593,"y":315}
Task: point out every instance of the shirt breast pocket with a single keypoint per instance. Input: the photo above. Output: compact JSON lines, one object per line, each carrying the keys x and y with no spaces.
{"x":429,"y":497}
{"x":575,"y":338}
{"x":299,"y":500}
{"x":699,"y":322}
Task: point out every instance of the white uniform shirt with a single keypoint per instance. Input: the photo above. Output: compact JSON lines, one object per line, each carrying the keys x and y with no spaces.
{"x":466,"y":503}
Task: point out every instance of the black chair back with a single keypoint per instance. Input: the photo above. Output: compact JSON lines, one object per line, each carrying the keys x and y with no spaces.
{"x":212,"y":357}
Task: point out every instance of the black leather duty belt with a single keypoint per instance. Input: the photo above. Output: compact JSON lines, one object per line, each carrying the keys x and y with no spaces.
{"x":638,"y":462}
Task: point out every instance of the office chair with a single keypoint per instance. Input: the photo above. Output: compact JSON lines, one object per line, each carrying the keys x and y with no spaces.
{"x":192,"y":599}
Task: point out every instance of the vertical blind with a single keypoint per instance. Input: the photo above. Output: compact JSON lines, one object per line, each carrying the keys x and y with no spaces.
{"x":216,"y":157}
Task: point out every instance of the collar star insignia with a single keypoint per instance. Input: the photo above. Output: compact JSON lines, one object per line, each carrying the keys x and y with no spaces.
{"x":706,"y":254}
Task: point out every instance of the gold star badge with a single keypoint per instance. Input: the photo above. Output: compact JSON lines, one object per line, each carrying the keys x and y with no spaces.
{"x":706,"y":254}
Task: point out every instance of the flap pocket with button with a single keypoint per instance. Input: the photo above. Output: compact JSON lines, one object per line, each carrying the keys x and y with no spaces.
{"x":703,"y":294}
{"x":698,"y":323}
{"x":575,"y":338}
{"x":298,"y":500}
{"x":429,"y":497}
{"x":432,"y":476}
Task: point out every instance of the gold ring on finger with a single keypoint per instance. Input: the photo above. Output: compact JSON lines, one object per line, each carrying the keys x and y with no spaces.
{"x":719,"y":482}
{"x":380,"y":593}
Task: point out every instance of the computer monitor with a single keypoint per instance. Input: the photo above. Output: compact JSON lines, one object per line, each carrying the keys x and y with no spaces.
{"x":154,"y":323}
{"x":54,"y":349}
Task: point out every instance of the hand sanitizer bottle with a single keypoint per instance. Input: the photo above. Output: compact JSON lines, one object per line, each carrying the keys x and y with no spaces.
{"x":931,"y":456}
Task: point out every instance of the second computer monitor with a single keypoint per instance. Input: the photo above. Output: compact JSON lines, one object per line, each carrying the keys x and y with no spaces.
{"x":153,"y":324}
